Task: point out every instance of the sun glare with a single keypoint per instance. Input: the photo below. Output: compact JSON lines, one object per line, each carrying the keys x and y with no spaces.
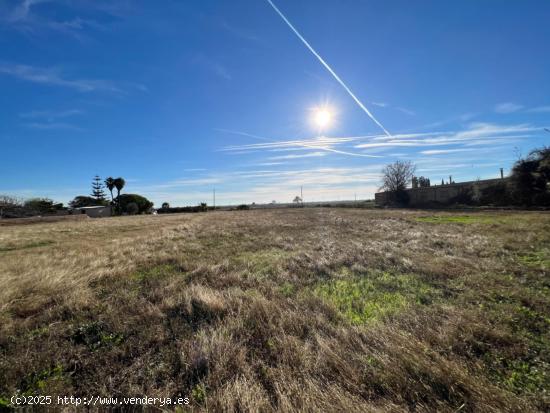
{"x":322,"y":118}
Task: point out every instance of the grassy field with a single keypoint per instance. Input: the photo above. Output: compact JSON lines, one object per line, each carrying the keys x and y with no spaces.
{"x":290,"y":310}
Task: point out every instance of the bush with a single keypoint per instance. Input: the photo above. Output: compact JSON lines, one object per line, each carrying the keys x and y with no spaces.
{"x":43,"y":206}
{"x":497,"y":194}
{"x":143,"y":204}
{"x":176,"y":210}
{"x":465,"y":197}
{"x":531,"y":178}
{"x":86,"y":201}
{"x":399,"y":198}
{"x":132,"y":208}
{"x":243,"y":207}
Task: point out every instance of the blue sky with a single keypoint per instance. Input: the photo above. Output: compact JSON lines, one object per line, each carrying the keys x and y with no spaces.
{"x":179,"y":97}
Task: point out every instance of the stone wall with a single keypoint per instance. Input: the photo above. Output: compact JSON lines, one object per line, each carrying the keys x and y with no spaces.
{"x":439,"y":193}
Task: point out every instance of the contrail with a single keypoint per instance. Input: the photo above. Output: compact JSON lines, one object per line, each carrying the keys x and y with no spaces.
{"x":298,"y":143}
{"x":332,"y":72}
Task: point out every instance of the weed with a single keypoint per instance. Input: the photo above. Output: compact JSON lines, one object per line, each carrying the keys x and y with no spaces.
{"x":199,"y":393}
{"x":94,"y":335}
{"x":373,"y":296}
{"x":458,"y":219}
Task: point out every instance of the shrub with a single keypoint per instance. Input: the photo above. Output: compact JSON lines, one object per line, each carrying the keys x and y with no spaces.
{"x":243,"y":207}
{"x":85,"y":201}
{"x":43,"y":205}
{"x":464,"y":197}
{"x":142,"y":203}
{"x":530,"y":179}
{"x":497,"y":194}
{"x":132,"y":208}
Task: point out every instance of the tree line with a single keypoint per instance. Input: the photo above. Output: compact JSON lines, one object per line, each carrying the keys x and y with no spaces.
{"x":131,"y":204}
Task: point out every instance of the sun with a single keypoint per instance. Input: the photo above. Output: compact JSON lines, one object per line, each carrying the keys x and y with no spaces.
{"x":322,"y":118}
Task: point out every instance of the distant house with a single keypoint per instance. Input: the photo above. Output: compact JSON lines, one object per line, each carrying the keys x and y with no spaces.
{"x":94,"y":211}
{"x":439,"y":194}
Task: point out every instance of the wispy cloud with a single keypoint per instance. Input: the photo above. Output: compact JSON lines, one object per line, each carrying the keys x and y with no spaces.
{"x":51,"y":126}
{"x":322,"y":143}
{"x":476,"y":134}
{"x":444,"y":151}
{"x":54,"y":77}
{"x":50,"y":114}
{"x":539,"y":109}
{"x":239,"y":31}
{"x":212,"y":66}
{"x":49,"y":119}
{"x":297,"y":156}
{"x":398,"y":108}
{"x":507,"y":107}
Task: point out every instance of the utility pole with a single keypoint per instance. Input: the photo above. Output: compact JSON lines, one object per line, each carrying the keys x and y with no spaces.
{"x":302,"y":194}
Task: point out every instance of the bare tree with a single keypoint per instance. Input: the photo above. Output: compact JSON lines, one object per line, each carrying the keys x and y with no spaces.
{"x":396,"y":176}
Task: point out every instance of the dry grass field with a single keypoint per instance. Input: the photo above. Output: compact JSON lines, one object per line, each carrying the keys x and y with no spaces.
{"x":289,"y":310}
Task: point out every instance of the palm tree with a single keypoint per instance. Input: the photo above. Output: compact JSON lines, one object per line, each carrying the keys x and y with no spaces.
{"x":110,"y":184}
{"x":119,"y":184}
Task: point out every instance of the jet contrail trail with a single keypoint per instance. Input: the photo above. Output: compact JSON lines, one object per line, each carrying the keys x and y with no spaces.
{"x":325,"y":64}
{"x":299,"y":144}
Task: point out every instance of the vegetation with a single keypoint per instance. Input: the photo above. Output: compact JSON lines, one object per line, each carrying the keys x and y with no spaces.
{"x":303,"y":309}
{"x":531,"y":178}
{"x":97,"y":190}
{"x":12,"y":207}
{"x":202,"y":207}
{"x":85,"y":201}
{"x":110,"y":185}
{"x":395,"y":178}
{"x":420,"y":182}
{"x":528,"y":185}
{"x":133,"y":204}
{"x":43,"y":205}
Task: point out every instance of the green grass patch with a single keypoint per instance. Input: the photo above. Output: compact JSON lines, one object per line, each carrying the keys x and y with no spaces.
{"x":458,"y":219}
{"x":536,"y":259}
{"x":38,"y":382}
{"x":157,"y":272}
{"x":95,"y":335}
{"x":34,"y":244}
{"x":371,"y":297}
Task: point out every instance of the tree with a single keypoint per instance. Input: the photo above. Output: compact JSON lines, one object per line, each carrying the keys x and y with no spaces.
{"x":97,"y":189}
{"x":424,"y":182}
{"x":119,"y":184}
{"x":85,"y":201}
{"x":297,"y":200}
{"x":10,"y":201}
{"x":43,"y":205}
{"x":144,"y":205}
{"x":132,"y":208}
{"x":530,"y":178}
{"x":165,"y":205}
{"x":110,"y":184}
{"x":395,"y":178}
